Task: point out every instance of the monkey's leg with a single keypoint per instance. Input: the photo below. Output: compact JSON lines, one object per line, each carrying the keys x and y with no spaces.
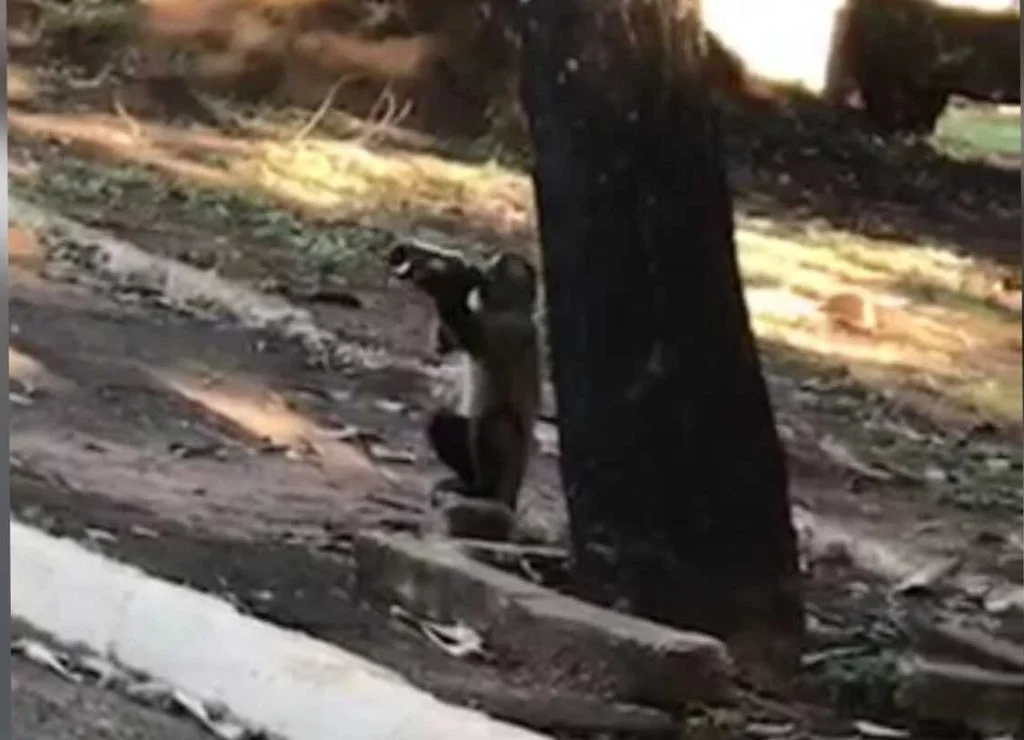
{"x":448,"y":434}
{"x":500,"y":450}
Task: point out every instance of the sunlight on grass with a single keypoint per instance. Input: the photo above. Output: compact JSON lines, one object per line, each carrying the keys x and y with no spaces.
{"x":973,"y":133}
{"x":941,"y":321}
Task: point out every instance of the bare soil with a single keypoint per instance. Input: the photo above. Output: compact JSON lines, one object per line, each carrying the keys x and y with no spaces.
{"x":45,"y":707}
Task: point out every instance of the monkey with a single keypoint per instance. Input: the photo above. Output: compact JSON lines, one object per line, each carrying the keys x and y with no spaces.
{"x":487,"y":313}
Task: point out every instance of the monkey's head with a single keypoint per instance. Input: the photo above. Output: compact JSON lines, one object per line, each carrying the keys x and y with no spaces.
{"x":510,"y":282}
{"x":429,"y":267}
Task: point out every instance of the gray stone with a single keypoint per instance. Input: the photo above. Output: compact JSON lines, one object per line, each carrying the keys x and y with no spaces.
{"x":558,"y":641}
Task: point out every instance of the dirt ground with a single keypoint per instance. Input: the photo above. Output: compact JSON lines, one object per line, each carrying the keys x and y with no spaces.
{"x":45,"y":707}
{"x":220,"y":457}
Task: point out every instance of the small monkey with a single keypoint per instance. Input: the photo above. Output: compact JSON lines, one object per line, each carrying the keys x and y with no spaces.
{"x":487,"y":313}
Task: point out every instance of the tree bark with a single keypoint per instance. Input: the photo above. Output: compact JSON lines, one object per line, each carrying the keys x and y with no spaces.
{"x":674,"y":473}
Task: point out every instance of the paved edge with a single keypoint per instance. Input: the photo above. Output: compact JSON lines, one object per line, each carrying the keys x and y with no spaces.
{"x":561,"y":641}
{"x":282,"y":680}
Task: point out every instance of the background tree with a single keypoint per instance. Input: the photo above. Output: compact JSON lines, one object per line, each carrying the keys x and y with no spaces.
{"x":674,"y":473}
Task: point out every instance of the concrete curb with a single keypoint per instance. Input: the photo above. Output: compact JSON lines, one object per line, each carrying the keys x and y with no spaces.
{"x":563,"y":642}
{"x":278,"y":679}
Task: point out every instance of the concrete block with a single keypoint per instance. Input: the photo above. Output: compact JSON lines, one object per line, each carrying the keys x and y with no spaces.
{"x":559,"y":641}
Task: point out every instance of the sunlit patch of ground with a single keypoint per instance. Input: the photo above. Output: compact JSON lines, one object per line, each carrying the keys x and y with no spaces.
{"x":938,"y":322}
{"x":336,"y":180}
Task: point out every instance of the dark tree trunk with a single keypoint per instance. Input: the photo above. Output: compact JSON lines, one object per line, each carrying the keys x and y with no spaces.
{"x":673,"y":470}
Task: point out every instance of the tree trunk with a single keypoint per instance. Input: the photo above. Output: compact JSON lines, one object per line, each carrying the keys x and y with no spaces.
{"x":673,"y":470}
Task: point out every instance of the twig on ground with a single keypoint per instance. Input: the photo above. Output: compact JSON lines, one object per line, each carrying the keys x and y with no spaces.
{"x":135,"y":128}
{"x":93,"y":82}
{"x":321,"y":110}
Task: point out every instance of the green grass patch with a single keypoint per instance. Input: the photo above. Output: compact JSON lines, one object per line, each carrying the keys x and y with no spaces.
{"x":975,"y":133}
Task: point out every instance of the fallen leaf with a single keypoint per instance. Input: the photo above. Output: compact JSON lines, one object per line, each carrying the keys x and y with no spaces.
{"x":841,"y":455}
{"x":812,"y":659}
{"x":873,"y":729}
{"x":19,"y":399}
{"x":458,"y":640}
{"x":42,"y":655}
{"x":389,"y":406}
{"x":350,"y":433}
{"x":387,"y":454}
{"x":105,"y":671}
{"x":139,"y":531}
{"x":851,"y":311}
{"x":928,"y":577}
{"x":94,"y":534}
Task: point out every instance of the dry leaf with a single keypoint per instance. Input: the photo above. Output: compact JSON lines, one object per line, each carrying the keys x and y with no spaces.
{"x":842,"y":456}
{"x":873,"y":729}
{"x":19,"y":399}
{"x":349,"y":433}
{"x":458,"y":640}
{"x":383,"y":453}
{"x":42,"y":655}
{"x":928,"y":577}
{"x":388,"y":406}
